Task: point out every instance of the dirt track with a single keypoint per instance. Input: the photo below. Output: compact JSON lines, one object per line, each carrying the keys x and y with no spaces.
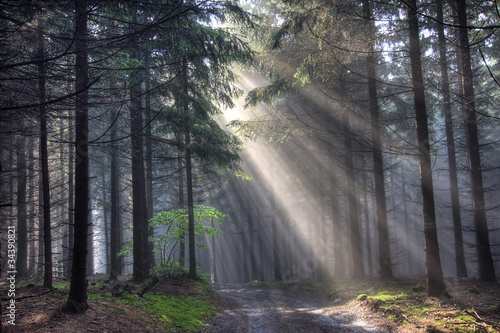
{"x":265,"y":310}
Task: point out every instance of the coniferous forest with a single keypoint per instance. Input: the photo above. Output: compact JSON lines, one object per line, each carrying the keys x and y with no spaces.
{"x":237,"y":141}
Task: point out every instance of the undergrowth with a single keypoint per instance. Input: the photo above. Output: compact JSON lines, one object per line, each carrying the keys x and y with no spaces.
{"x":406,"y":304}
{"x":180,"y":312}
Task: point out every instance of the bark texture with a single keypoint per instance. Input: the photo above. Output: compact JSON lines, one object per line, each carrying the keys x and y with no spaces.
{"x":77,"y":300}
{"x":435,"y":281}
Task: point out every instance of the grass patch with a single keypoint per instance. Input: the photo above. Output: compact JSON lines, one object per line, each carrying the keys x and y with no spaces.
{"x":417,"y":310}
{"x":180,"y":312}
{"x":94,"y":296}
{"x":466,"y":318}
{"x":62,"y":286}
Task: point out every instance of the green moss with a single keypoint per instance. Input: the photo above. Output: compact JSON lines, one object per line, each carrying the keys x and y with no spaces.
{"x":385,"y":295}
{"x":97,"y":296}
{"x":418,"y":311}
{"x":465,"y":318}
{"x":62,"y":286}
{"x":97,"y":286}
{"x":182,"y":312}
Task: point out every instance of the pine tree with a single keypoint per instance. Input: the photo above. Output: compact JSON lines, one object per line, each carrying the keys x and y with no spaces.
{"x":486,"y":268}
{"x":77,"y":299}
{"x":435,"y":281}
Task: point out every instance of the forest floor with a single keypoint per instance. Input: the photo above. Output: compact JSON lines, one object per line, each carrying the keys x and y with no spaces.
{"x":369,"y":305}
{"x":403,"y":303}
{"x":172,"y":305}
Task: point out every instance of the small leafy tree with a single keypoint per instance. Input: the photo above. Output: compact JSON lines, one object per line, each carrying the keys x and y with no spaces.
{"x":175,"y":224}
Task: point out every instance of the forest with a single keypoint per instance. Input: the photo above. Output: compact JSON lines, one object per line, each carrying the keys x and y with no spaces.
{"x":251,"y":140}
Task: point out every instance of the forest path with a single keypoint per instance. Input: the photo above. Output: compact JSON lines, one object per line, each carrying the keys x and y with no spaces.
{"x":266,"y":310}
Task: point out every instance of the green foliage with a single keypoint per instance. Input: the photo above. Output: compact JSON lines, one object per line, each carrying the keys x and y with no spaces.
{"x":267,"y":94}
{"x":215,"y":146}
{"x":126,"y":249}
{"x":175,"y":223}
{"x":170,"y":268}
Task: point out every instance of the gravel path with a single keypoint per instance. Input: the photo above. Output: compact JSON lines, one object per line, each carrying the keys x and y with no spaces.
{"x":265,"y":310}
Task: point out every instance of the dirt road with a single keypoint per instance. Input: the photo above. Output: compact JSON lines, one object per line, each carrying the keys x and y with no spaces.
{"x":266,"y":310}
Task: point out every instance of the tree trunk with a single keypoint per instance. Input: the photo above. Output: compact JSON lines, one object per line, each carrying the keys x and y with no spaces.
{"x":378,"y":162}
{"x":367,"y":222}
{"x":139,"y":213}
{"x":450,"y":145}
{"x":486,"y":268}
{"x":71,"y":199}
{"x":182,"y":250}
{"x":409,"y":260}
{"x":189,"y":177}
{"x":262,"y":265}
{"x":246,"y":211}
{"x":115,"y":230}
{"x":105,"y":219}
{"x":356,"y":244}
{"x":338,"y":254}
{"x":190,"y":202}
{"x":40,"y":264}
{"x":77,"y":300}
{"x":149,"y":166}
{"x":63,"y":209}
{"x":435,"y":281}
{"x":323,"y":265}
{"x":31,"y":200}
{"x":90,"y":239}
{"x":44,"y":155}
{"x":274,"y":232}
{"x":22,"y":228}
{"x":241,"y":225}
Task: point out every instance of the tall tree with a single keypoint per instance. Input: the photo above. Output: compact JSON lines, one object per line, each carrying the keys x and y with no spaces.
{"x":139,"y":212}
{"x":352,"y":199}
{"x":189,"y":173}
{"x":149,"y":157}
{"x":44,"y":155}
{"x":385,"y":264}
{"x":450,"y":145}
{"x":115,"y":231}
{"x":180,"y":182}
{"x":338,"y":254}
{"x":71,"y":193}
{"x":274,"y":230}
{"x":486,"y":268}
{"x":190,"y":203}
{"x":22,"y":227}
{"x":435,"y":281}
{"x":63,"y":207}
{"x":77,"y":299}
